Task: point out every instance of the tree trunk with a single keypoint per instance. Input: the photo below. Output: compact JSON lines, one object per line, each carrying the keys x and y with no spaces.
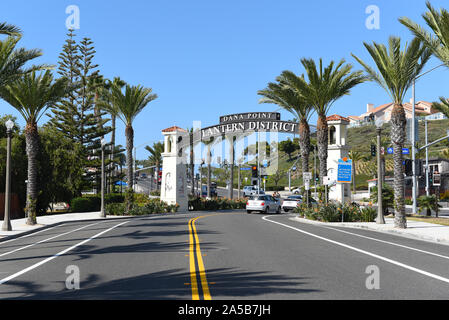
{"x":113,"y":118}
{"x":304,"y":144}
{"x":398,"y":123}
{"x":129,"y":132}
{"x":322,"y":142}
{"x":32,"y":149}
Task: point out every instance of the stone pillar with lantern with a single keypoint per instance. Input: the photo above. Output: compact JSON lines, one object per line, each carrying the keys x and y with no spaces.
{"x":337,"y":149}
{"x":174,"y":177}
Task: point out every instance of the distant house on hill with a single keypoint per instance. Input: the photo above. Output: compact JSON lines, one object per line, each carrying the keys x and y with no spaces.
{"x":422,"y":108}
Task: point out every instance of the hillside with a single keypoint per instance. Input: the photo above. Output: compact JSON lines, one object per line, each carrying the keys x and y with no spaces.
{"x":360,"y":139}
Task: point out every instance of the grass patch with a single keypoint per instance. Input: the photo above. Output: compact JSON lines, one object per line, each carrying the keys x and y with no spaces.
{"x":441,"y":221}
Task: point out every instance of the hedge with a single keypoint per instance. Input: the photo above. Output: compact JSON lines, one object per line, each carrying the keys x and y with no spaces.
{"x":90,"y":203}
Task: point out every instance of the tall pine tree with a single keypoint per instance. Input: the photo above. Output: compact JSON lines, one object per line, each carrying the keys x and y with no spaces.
{"x":77,"y":116}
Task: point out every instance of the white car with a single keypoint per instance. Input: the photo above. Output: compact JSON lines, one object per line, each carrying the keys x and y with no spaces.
{"x":251,"y":191}
{"x":291,"y":203}
{"x":263,"y":203}
{"x":296,"y":191}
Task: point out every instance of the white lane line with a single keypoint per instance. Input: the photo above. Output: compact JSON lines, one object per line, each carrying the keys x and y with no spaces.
{"x":431,"y":275}
{"x":31,"y":234}
{"x":34,"y":266}
{"x":388,"y":242}
{"x":48,"y":239}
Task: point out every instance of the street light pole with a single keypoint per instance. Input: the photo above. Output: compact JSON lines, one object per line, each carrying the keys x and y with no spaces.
{"x":6,"y":220}
{"x":414,"y":150}
{"x":427,"y":161}
{"x":380,"y":213}
{"x":102,"y":212}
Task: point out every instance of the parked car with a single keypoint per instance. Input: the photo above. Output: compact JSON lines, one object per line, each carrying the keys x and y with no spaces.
{"x":291,"y":202}
{"x":296,"y":191}
{"x":263,"y":203}
{"x":143,"y":176}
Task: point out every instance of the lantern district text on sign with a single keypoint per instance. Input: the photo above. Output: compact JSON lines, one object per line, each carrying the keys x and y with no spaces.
{"x":249,"y":122}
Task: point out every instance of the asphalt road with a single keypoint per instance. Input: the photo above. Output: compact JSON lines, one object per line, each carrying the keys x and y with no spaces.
{"x":227,"y":255}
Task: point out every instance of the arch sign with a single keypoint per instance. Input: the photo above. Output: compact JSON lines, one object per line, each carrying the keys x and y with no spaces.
{"x":249,"y":122}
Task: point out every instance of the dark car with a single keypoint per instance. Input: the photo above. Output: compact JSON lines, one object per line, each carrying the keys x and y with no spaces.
{"x":213,"y":191}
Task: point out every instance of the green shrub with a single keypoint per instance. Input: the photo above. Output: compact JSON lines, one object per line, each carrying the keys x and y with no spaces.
{"x":156,"y":193}
{"x":329,"y":213}
{"x":368,"y":214}
{"x":92,"y":202}
{"x":140,"y":198}
{"x":85,"y":204}
{"x":115,"y":209}
{"x":201,"y":204}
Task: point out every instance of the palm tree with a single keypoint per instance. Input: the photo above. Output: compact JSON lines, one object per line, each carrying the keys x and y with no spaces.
{"x":32,"y":95}
{"x":396,"y":70}
{"x":322,"y":89}
{"x":355,"y":156}
{"x":9,"y":29}
{"x":428,"y":203}
{"x":127,"y":106}
{"x":283,"y":95}
{"x":438,"y":43}
{"x":156,"y":157}
{"x":105,"y":93}
{"x":12,"y":60}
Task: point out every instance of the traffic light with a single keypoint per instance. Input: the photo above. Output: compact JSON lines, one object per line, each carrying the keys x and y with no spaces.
{"x":254,"y":172}
{"x":373,"y":150}
{"x":408,"y":167}
{"x":419,"y":167}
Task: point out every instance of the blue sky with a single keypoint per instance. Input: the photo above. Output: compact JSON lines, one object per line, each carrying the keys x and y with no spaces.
{"x":208,"y":58}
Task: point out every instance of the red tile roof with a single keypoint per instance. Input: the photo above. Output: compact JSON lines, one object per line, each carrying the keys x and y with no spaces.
{"x":336,"y":117}
{"x":174,"y":128}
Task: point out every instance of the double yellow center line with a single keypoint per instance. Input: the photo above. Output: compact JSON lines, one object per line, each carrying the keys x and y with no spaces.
{"x":194,"y":250}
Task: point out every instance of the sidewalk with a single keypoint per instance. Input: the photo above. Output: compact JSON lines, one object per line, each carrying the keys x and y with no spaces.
{"x":415,"y":229}
{"x":19,"y":226}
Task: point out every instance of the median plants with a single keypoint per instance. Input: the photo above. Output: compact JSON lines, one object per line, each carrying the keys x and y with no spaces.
{"x":150,"y":206}
{"x":201,"y":204}
{"x":333,"y":212}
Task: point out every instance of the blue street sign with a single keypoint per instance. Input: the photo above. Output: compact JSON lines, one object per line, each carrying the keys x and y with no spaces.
{"x":344,"y":171}
{"x":245,"y":169}
{"x":404,"y":150}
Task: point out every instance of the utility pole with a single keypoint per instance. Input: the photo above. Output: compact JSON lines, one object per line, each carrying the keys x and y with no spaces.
{"x":415,"y":182}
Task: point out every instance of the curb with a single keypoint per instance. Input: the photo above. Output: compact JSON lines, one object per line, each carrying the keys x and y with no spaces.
{"x":46,"y":226}
{"x":391,"y":231}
